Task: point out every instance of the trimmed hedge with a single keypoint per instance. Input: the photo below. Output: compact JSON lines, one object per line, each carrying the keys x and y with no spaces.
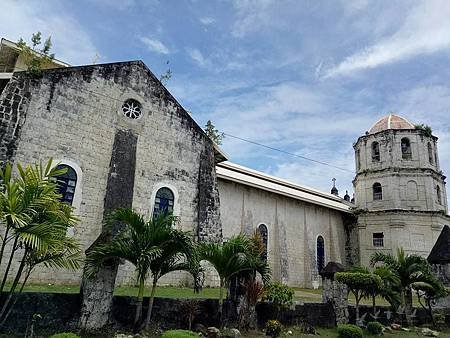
{"x":375,"y":328}
{"x":65,"y":335}
{"x":349,"y":331}
{"x":179,"y":334}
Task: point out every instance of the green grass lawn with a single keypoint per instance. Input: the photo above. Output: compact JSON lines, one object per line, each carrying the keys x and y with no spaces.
{"x":333,"y":333}
{"x":303,"y":295}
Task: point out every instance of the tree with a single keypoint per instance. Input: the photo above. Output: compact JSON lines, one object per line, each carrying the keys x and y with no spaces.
{"x":34,"y":223}
{"x":408,"y":269}
{"x":390,"y":289}
{"x":36,"y":58}
{"x":166,"y":76}
{"x":428,"y":292}
{"x":232,"y":257}
{"x":153,"y":247}
{"x":213,"y":133}
{"x":358,"y":283}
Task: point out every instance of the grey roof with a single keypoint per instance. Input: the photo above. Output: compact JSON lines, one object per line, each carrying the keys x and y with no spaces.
{"x":440,"y":254}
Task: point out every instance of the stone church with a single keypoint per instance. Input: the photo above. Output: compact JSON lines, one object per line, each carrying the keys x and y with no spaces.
{"x":127,"y":142}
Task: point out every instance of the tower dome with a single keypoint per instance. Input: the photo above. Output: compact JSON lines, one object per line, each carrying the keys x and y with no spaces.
{"x":391,"y":121}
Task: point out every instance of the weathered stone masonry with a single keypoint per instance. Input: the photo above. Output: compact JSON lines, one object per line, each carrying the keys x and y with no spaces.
{"x":71,"y":114}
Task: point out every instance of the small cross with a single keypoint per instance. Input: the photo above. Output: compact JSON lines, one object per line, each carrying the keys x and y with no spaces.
{"x":334,"y":182}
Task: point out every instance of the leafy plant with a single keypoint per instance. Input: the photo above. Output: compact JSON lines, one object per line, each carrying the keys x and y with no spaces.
{"x":428,"y":292}
{"x":232,"y":257}
{"x":36,"y":58}
{"x":273,"y":328}
{"x":426,"y":129}
{"x":34,"y":223}
{"x":280,"y":295}
{"x":154,"y":247}
{"x":360,"y":284}
{"x":349,"y":331}
{"x":408,"y":269}
{"x":375,"y":328}
{"x":65,"y":335}
{"x":213,"y":133}
{"x":179,"y":334}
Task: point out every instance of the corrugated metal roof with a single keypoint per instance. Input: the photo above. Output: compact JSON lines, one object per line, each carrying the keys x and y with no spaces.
{"x":246,"y":176}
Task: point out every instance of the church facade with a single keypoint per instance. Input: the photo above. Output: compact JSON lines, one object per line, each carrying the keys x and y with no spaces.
{"x":128,"y":143}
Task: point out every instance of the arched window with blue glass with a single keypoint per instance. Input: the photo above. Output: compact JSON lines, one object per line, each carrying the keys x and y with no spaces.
{"x":67,"y":183}
{"x":320,"y":252}
{"x":164,"y":201}
{"x":263,"y":233}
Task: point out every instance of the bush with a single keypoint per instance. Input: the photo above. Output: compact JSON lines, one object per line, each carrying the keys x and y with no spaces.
{"x":375,"y":328}
{"x":349,"y":331}
{"x":65,"y":335}
{"x":273,"y":328}
{"x":279,"y":294}
{"x":179,"y":334}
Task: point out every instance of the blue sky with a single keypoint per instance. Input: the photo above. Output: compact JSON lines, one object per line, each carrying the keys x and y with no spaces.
{"x":308,"y":77}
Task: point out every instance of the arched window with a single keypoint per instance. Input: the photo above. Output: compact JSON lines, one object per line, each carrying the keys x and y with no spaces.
{"x":375,"y":152}
{"x":164,"y":201}
{"x":406,"y":148}
{"x":67,"y":183}
{"x":438,"y":194}
{"x":262,"y":231}
{"x":320,"y":246}
{"x":377,"y":192}
{"x":430,"y":153}
{"x":358,"y":160}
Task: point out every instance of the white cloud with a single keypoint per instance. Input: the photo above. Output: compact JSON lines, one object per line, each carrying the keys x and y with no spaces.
{"x":207,"y":20}
{"x":71,"y":43}
{"x":426,"y":29}
{"x":251,"y":14}
{"x":155,"y":45}
{"x":197,"y":56}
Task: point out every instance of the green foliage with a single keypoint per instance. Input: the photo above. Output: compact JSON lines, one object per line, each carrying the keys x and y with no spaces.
{"x":349,"y":331}
{"x":239,"y":253}
{"x":34,"y":222}
{"x":65,"y":335}
{"x":179,"y":334}
{"x":155,"y":247}
{"x":359,"y":281}
{"x":273,"y":328}
{"x":375,"y":328}
{"x":36,"y":58}
{"x":406,"y":270}
{"x":279,"y":294}
{"x":213,"y":133}
{"x":426,"y":129}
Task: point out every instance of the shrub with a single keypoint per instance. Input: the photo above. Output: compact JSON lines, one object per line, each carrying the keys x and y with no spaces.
{"x":349,"y":331}
{"x":179,"y":334}
{"x":65,"y":335}
{"x":279,"y":294}
{"x":273,"y":328}
{"x":375,"y":328}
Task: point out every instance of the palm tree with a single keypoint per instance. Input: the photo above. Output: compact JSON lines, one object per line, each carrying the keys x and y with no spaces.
{"x":153,"y":247}
{"x":34,"y":224}
{"x":408,"y":269}
{"x":237,"y":254}
{"x":178,"y":253}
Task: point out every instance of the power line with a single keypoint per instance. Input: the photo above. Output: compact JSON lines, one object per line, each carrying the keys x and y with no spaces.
{"x":229,"y":135}
{"x":287,"y":152}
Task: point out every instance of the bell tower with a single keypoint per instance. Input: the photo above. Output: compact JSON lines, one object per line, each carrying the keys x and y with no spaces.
{"x":399,"y":188}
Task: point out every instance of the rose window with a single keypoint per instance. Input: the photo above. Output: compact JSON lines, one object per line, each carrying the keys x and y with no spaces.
{"x":132,"y":109}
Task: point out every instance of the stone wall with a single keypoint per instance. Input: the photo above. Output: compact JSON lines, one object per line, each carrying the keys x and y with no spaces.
{"x":293,"y":227}
{"x":72,"y":115}
{"x":60,"y":312}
